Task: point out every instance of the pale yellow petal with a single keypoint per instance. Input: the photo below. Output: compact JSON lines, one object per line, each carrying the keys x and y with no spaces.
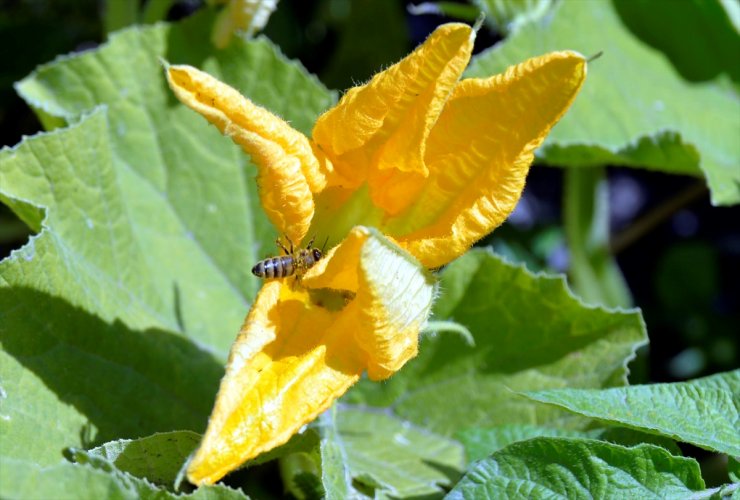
{"x":393,"y":297}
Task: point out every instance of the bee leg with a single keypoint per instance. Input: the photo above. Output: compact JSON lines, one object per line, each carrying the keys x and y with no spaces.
{"x":280,"y":244}
{"x":310,"y":243}
{"x":291,"y":244}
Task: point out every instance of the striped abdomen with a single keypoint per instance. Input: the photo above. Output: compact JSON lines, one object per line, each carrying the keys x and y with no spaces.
{"x":275,"y":267}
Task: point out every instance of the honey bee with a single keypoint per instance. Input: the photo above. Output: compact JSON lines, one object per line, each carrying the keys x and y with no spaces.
{"x":295,"y":262}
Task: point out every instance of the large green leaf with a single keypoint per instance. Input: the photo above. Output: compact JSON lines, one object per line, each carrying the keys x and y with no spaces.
{"x":667,"y":25}
{"x":336,"y":478}
{"x":366,"y":451}
{"x":115,"y":318}
{"x":703,"y":412}
{"x":479,"y":443}
{"x":93,"y":481}
{"x":635,"y":109}
{"x":157,"y":458}
{"x":402,"y":459}
{"x":579,"y":468}
{"x":529,"y":332}
{"x":393,"y":456}
{"x":68,"y":355}
{"x":194,"y":255}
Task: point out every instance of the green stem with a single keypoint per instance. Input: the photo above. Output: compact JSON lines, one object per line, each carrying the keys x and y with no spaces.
{"x":433,"y":327}
{"x":119,"y":14}
{"x":594,"y":274}
{"x":156,"y":10}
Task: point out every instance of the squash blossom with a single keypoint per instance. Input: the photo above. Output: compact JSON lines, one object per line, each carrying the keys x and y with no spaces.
{"x":405,"y":173}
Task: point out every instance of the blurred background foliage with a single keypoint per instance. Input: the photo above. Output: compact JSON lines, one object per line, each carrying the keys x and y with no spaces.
{"x":679,"y":255}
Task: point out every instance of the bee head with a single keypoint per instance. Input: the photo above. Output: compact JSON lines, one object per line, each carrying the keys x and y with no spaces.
{"x":316,"y":253}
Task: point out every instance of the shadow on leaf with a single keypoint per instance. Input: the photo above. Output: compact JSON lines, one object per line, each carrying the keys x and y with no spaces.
{"x":127,"y":383}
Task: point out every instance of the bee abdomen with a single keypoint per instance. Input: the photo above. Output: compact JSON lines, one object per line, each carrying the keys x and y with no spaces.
{"x":274,"y":267}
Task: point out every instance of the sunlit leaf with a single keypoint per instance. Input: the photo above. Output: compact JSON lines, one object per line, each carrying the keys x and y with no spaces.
{"x":635,"y":109}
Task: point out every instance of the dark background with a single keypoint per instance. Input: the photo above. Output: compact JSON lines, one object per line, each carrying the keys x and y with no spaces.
{"x":680,"y":256}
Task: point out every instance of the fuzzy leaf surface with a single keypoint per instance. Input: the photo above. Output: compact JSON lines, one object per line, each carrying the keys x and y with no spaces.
{"x":529,"y":331}
{"x":116,"y":316}
{"x":703,"y":412}
{"x":156,"y":458}
{"x":579,"y":468}
{"x":635,"y":109}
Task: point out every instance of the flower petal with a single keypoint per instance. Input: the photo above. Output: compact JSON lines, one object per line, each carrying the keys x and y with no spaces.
{"x":300,"y":348}
{"x":479,"y":153}
{"x":383,"y":125}
{"x":393,"y":297}
{"x":289,"y":173}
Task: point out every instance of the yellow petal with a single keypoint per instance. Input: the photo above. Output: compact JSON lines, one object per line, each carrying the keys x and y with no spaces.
{"x":383,"y":125}
{"x":289,"y":173}
{"x":479,"y":153}
{"x":393,"y":297}
{"x":300,"y":348}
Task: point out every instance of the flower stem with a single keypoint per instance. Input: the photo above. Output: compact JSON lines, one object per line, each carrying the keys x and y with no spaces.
{"x":594,"y":273}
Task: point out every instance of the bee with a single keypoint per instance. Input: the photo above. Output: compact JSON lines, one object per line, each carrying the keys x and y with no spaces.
{"x":296,"y":261}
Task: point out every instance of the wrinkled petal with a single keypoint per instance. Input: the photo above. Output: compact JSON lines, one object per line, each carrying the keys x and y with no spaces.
{"x":393,"y":296}
{"x":302,"y":346}
{"x":479,"y":153}
{"x":378,"y":131}
{"x":289,"y":173}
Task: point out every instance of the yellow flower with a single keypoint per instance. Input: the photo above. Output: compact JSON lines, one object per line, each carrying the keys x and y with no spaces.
{"x":405,"y":173}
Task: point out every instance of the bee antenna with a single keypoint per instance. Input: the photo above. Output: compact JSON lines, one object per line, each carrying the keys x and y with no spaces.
{"x":323,"y":247}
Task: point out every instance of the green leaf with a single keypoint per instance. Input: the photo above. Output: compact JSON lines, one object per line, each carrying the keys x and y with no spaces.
{"x":319,"y":469}
{"x":507,"y":16}
{"x":633,"y":437}
{"x":78,"y":364}
{"x":368,"y":452}
{"x":667,"y":25}
{"x":703,"y":412}
{"x":634,"y":110}
{"x":157,"y":458}
{"x":335,"y":475}
{"x":395,"y":456}
{"x":579,"y":468}
{"x":479,"y":443}
{"x":22,"y":479}
{"x":209,"y":228}
{"x":529,"y":331}
{"x":115,"y":318}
